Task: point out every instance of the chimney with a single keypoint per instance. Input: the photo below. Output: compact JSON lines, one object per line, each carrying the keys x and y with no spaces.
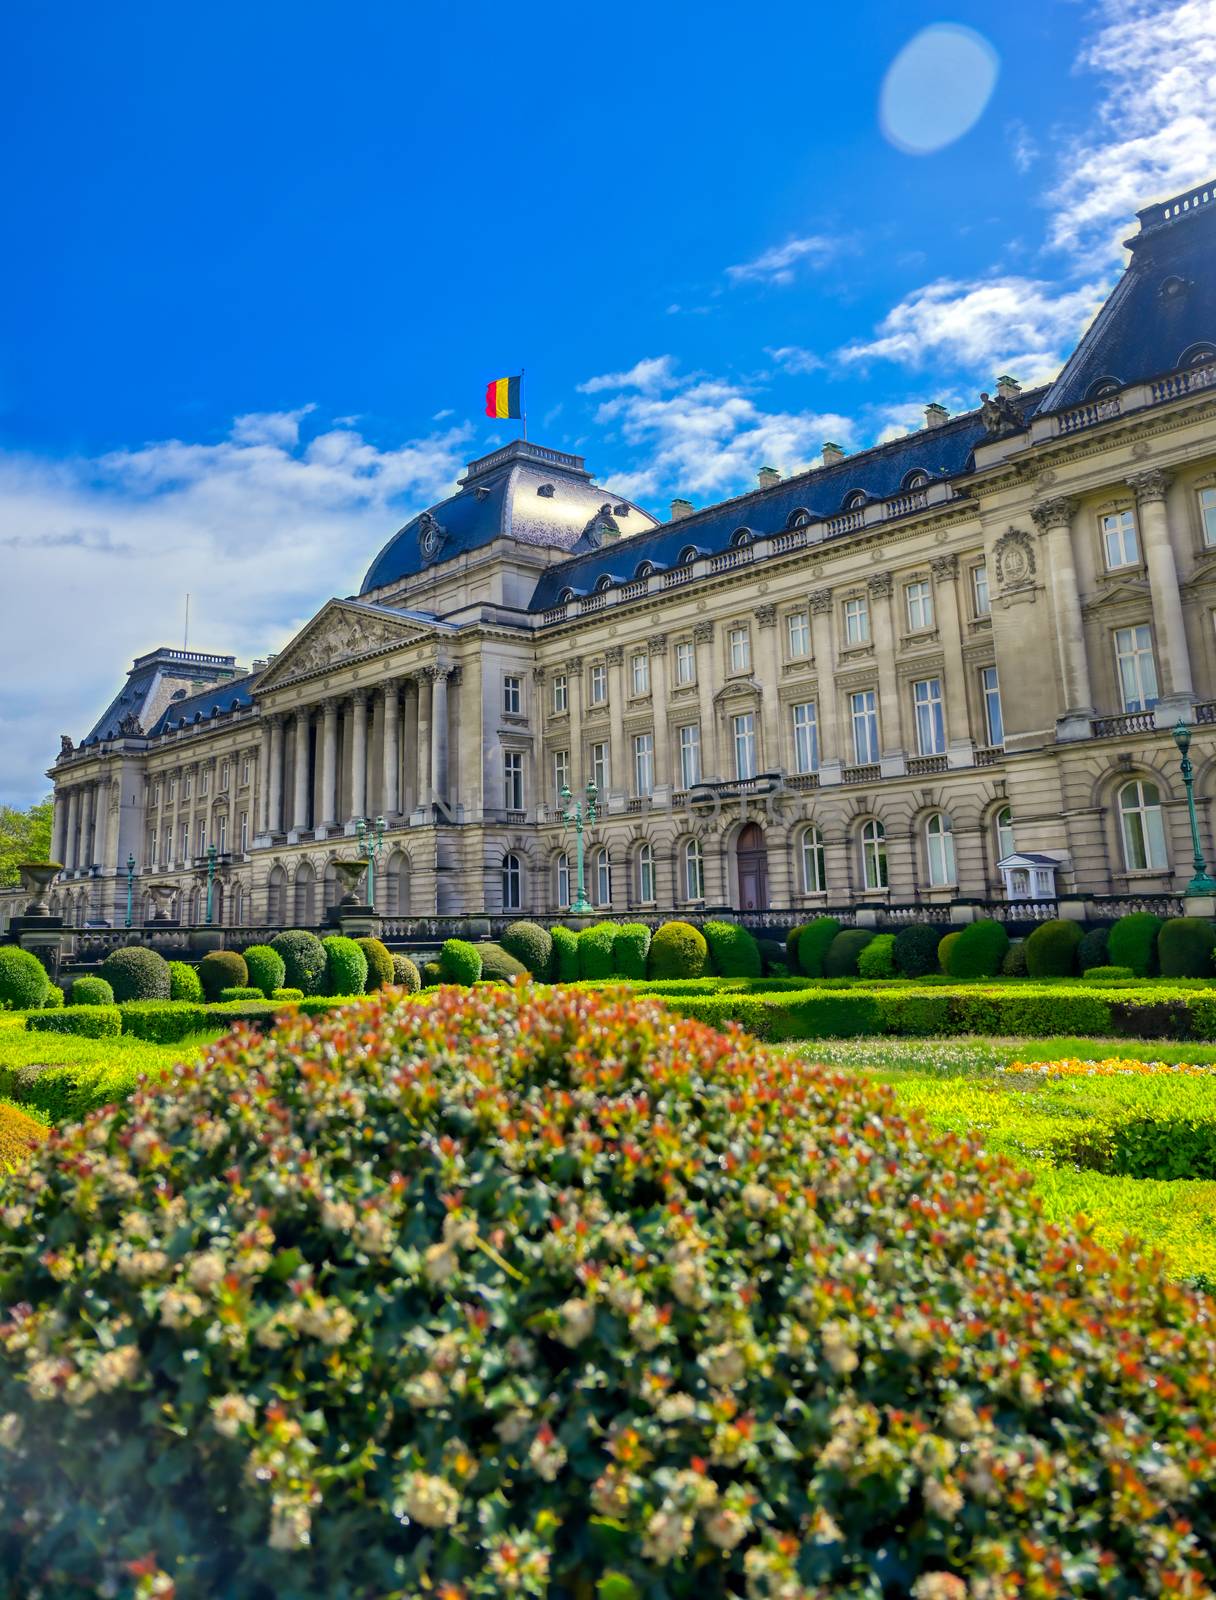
{"x":259,"y":666}
{"x":1008,"y":388}
{"x":768,"y":477}
{"x":681,"y":509}
{"x":935,"y":415}
{"x":832,"y":453}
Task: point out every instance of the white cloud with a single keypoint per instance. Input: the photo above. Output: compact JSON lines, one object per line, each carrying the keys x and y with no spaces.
{"x":793,"y":358}
{"x":648,"y":375}
{"x":776,"y":265}
{"x":258,"y":528}
{"x":1023,"y":149}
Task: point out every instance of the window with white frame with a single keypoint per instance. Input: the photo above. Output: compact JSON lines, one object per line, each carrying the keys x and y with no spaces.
{"x":690,"y":755}
{"x":221,"y":829}
{"x":1207,"y":515}
{"x":1002,"y":827}
{"x":645,"y":874}
{"x":798,"y":634}
{"x":561,"y":870}
{"x":981,"y":598}
{"x":513,"y":780}
{"x":225,"y":771}
{"x":152,"y":846}
{"x":1143,"y":827}
{"x":814,"y":862}
{"x":204,"y":780}
{"x":994,"y":722}
{"x":1120,"y":546}
{"x":857,"y":621}
{"x":744,"y":730}
{"x":599,"y":767}
{"x":202,"y":836}
{"x":694,"y":870}
{"x":686,"y":662}
{"x":561,"y":772}
{"x":639,"y":672}
{"x":512,"y":695}
{"x":155,"y":796}
{"x":740,"y":642}
{"x":1136,"y":667}
{"x":186,"y":784}
{"x":246,"y":770}
{"x":873,"y":854}
{"x":939,"y":850}
{"x":930,"y":716}
{"x":806,"y":737}
{"x":169,"y":790}
{"x":561,"y":692}
{"x":918,"y":598}
{"x":184,"y":842}
{"x":863,"y":710}
{"x":244,"y":831}
{"x":512,"y":882}
{"x":603,"y":878}
{"x":643,"y":764}
{"x":599,"y":684}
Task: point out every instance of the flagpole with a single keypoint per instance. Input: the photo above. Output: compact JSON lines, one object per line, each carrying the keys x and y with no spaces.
{"x":523,"y":410}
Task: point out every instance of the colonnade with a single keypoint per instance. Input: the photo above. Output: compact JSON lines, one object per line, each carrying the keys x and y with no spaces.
{"x":76,"y":825}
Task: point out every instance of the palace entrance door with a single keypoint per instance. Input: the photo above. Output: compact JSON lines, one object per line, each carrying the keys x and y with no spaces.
{"x":753,"y":869}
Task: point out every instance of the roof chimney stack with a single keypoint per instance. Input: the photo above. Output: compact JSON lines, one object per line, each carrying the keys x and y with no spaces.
{"x":681,"y":509}
{"x":768,"y":477}
{"x":1008,"y":388}
{"x":935,"y":415}
{"x":832,"y":453}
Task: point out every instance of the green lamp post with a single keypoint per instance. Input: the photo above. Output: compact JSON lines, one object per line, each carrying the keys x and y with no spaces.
{"x":211,"y":859}
{"x":130,"y":887}
{"x":371,"y":839}
{"x":1200,"y":883}
{"x":579,"y":816}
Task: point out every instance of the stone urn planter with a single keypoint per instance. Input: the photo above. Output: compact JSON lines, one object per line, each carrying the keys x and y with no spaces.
{"x":162,"y":894}
{"x":351,"y":873}
{"x":36,"y":878}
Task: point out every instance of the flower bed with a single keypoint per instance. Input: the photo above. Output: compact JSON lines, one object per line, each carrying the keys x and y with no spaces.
{"x":1113,"y":1066}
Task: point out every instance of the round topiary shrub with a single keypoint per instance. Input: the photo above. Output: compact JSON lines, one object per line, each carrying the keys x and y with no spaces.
{"x":915,"y":950}
{"x":303,"y":959}
{"x":135,"y":973}
{"x":88,"y":990}
{"x":267,"y":969}
{"x":220,"y":970}
{"x":286,"y":994}
{"x":791,"y":945}
{"x":595,"y":951}
{"x":379,"y":964}
{"x":1133,"y":943}
{"x":459,"y":962}
{"x":1092,"y":950}
{"x":1051,"y":949}
{"x":565,"y":954}
{"x":23,"y":979}
{"x":678,"y":950}
{"x":630,"y":947}
{"x":733,"y":952}
{"x":184,"y":982}
{"x":239,"y":992}
{"x":814,"y":943}
{"x":345,"y":965}
{"x":877,"y":959}
{"x":1014,"y":964}
{"x":528,"y":942}
{"x":405,"y":973}
{"x":605,"y":1323}
{"x":840,"y":961}
{"x":979,"y":950}
{"x":1184,"y":948}
{"x":774,"y":957}
{"x":497,"y":965}
{"x":945,"y":945}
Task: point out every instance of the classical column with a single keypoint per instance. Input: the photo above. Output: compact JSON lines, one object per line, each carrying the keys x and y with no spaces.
{"x":425,"y":790}
{"x":1054,"y":519}
{"x":770,"y":684}
{"x":69,"y":851}
{"x":299,"y":800}
{"x":329,"y":764}
{"x":620,"y":764}
{"x":827,"y":709}
{"x":658,"y":699}
{"x":274,"y":778}
{"x":890,"y":712}
{"x":58,"y":826}
{"x":358,"y":753}
{"x":1173,"y":656}
{"x":574,"y":700}
{"x":439,"y":731}
{"x":85,"y":856}
{"x":950,"y":631}
{"x":391,"y":726}
{"x":703,"y":634}
{"x":264,"y":779}
{"x":409,"y":765}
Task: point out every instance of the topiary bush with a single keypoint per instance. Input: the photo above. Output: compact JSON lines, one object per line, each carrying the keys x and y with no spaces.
{"x":135,"y":973}
{"x":814,"y":943}
{"x":528,"y":942}
{"x":1132,"y":942}
{"x":877,"y":959}
{"x":498,"y":965}
{"x":379,"y":964}
{"x":1051,"y":949}
{"x":297,"y":994}
{"x":267,"y":969}
{"x":1184,"y":948}
{"x":630,"y":947}
{"x":184,"y":982}
{"x":20,"y":1135}
{"x":246,"y":991}
{"x":90,"y":991}
{"x":220,"y":970}
{"x":53,"y":999}
{"x":915,"y":951}
{"x":1108,"y":974}
{"x":565,"y":954}
{"x":733,"y":952}
{"x":303,"y":959}
{"x":678,"y":950}
{"x":1014,"y":964}
{"x":774,"y":957}
{"x":405,"y":973}
{"x":345,"y":965}
{"x":791,"y":945}
{"x":23,"y":979}
{"x":840,"y":961}
{"x":459,"y":962}
{"x":1092,"y":950}
{"x":979,"y":950}
{"x":945,"y":945}
{"x":948,"y":1377}
{"x":595,"y":951}
{"x":87,"y":1022}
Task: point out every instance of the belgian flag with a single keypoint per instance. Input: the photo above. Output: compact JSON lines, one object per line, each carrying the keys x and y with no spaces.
{"x":502,"y":398}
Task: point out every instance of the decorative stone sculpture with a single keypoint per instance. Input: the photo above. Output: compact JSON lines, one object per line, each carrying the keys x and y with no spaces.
{"x":36,"y":878}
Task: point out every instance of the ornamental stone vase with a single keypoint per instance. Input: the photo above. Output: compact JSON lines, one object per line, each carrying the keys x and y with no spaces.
{"x":351,"y":873}
{"x":161,"y":894}
{"x":37,"y":877}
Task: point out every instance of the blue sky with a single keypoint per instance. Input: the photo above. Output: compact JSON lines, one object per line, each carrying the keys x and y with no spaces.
{"x":262,"y":260}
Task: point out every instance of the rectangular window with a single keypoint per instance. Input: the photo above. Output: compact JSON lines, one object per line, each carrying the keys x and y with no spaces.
{"x":221,"y":842}
{"x":202,"y":836}
{"x":599,"y":684}
{"x":185,"y":842}
{"x":686,"y":662}
{"x":863,"y":707}
{"x":224,"y":774}
{"x":244,"y":831}
{"x":857,"y":621}
{"x":798,"y":634}
{"x":561,"y":694}
{"x":1119,"y":543}
{"x":246,"y":771}
{"x":599,"y":767}
{"x":994,"y":722}
{"x":1207,"y":514}
{"x":204,"y":780}
{"x":690,"y":756}
{"x":806,"y":738}
{"x":512,"y":696}
{"x":643,"y":764}
{"x":513,"y":780}
{"x":919,"y":599}
{"x":152,"y":847}
{"x":980,"y":597}
{"x":1137,"y":670}
{"x":740,"y":650}
{"x":744,"y":727}
{"x":155,"y":795}
{"x":186,"y":785}
{"x":561,"y":773}
{"x":930,"y":718}
{"x":171,"y":786}
{"x":639,"y":672}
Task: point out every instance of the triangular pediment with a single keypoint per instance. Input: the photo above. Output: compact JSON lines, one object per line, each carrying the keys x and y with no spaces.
{"x":341,"y":632}
{"x":1203,"y":573}
{"x":1129,"y":589}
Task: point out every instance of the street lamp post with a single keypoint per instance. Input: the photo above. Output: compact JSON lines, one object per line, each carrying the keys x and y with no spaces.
{"x":1200,"y":883}
{"x":370,"y":837}
{"x":578,"y":816}
{"x":130,"y":887}
{"x":211,"y":855}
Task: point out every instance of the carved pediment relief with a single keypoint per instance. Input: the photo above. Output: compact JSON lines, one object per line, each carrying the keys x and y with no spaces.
{"x":1203,"y":574}
{"x":1127,"y":590}
{"x":339,"y":633}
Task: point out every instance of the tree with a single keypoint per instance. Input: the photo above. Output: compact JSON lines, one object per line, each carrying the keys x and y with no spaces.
{"x":24,"y":836}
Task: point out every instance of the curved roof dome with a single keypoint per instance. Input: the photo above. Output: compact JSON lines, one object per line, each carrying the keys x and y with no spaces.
{"x":524,"y":492}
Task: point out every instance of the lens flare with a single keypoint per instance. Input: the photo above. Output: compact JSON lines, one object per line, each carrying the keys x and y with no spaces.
{"x":937,"y":88}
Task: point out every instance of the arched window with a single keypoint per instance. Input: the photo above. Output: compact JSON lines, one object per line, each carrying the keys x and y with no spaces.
{"x":688,"y":555}
{"x":394,"y":895}
{"x":855,"y":499}
{"x":329,"y":888}
{"x":916,"y":479}
{"x":645,"y":874}
{"x":741,"y":536}
{"x":1142,"y":826}
{"x":874,"y":854}
{"x":644,"y":569}
{"x":305,"y":899}
{"x":276,"y":898}
{"x":603,"y":878}
{"x":196,"y":907}
{"x":800,"y":517}
{"x":602,"y":583}
{"x":1002,"y":825}
{"x":1197,"y":355}
{"x":565,"y":597}
{"x":814,"y":866}
{"x":939,"y":850}
{"x":512,"y":882}
{"x":238,"y":905}
{"x":694,"y":871}
{"x":561,"y":869}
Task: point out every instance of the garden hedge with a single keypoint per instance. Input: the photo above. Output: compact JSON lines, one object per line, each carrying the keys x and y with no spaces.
{"x":915,"y":950}
{"x":565,"y":954}
{"x":345,"y":965}
{"x":636,"y":1365}
{"x":184,"y":982}
{"x":1014,"y":964}
{"x":23,"y":979}
{"x":238,"y":991}
{"x":733,"y":951}
{"x":877,"y":958}
{"x":89,"y":1022}
{"x":379,"y":963}
{"x":1051,"y":949}
{"x":774,"y":956}
{"x":135,"y":973}
{"x":1184,"y":948}
{"x":528,"y":942}
{"x":405,"y":973}
{"x":979,"y":950}
{"x":267,"y":969}
{"x":595,"y":950}
{"x":813,"y":944}
{"x":1133,"y":943}
{"x":498,"y":965}
{"x":289,"y":994}
{"x":678,"y":950}
{"x":791,"y":945}
{"x":1092,"y":950}
{"x":90,"y":991}
{"x":945,"y":945}
{"x":431,"y":973}
{"x":459,"y":962}
{"x":630,"y":947}
{"x":220,"y":970}
{"x":303,"y":959}
{"x":840,"y":959}
{"x":52,"y":1000}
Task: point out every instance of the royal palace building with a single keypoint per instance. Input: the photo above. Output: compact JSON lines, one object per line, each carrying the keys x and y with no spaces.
{"x":941,"y":671}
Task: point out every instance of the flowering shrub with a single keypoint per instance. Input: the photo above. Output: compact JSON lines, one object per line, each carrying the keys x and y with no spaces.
{"x":543,"y":1292}
{"x":19,"y":1134}
{"x":267,"y":969}
{"x":23,"y":979}
{"x":1112,"y":1066}
{"x":89,"y":991}
{"x":135,"y":973}
{"x":184,"y":982}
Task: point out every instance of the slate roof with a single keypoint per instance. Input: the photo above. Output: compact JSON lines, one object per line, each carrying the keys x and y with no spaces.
{"x":212,"y":701}
{"x":151,"y":684}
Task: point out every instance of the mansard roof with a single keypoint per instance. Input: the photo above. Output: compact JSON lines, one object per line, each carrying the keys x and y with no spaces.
{"x":152,"y":683}
{"x":215,"y":701}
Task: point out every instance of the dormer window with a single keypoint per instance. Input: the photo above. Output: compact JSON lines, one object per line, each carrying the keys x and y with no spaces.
{"x":565,"y":597}
{"x":799,"y":518}
{"x":688,"y":555}
{"x":855,"y":499}
{"x":1103,"y":388}
{"x":741,"y":536}
{"x":645,"y":569}
{"x":1197,"y":355}
{"x":603,"y":583}
{"x":1172,"y":287}
{"x":916,"y":480}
